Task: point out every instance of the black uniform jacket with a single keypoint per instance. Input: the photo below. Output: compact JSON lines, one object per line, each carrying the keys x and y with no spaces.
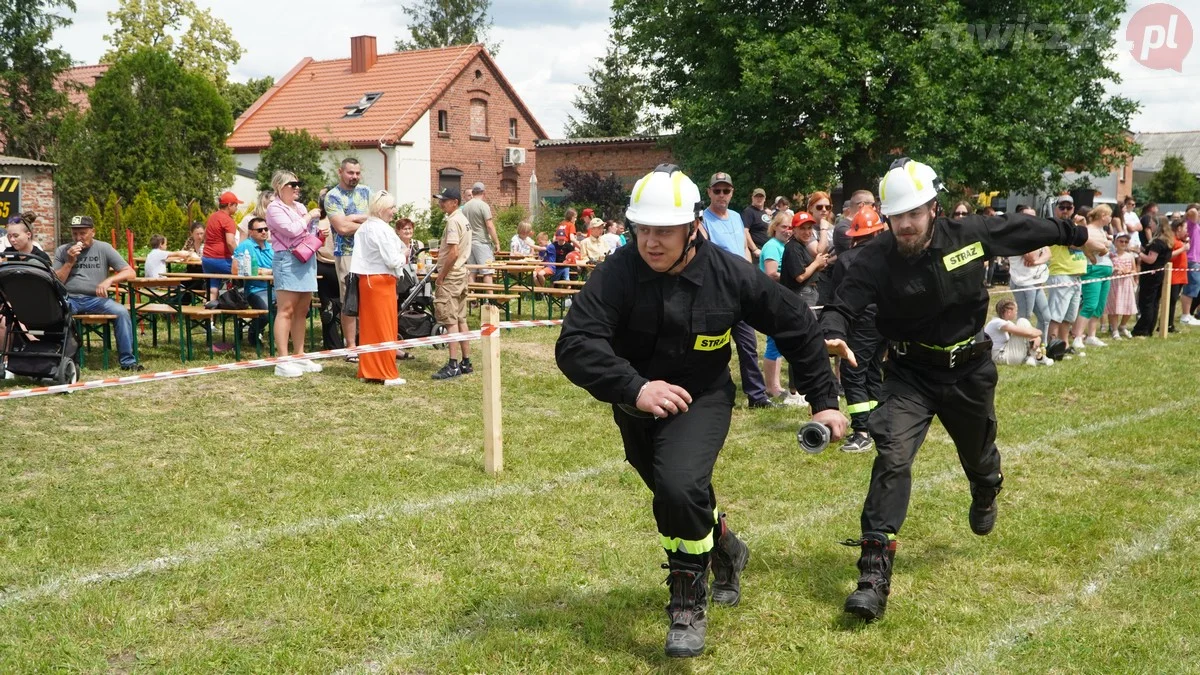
{"x":630,"y":325}
{"x":939,"y":297}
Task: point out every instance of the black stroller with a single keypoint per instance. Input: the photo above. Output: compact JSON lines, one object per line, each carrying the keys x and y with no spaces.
{"x":34,"y":305}
{"x":416,"y":305}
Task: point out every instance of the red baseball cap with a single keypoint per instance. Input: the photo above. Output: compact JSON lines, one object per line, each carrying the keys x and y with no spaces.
{"x":587,"y":213}
{"x":228,"y":198}
{"x":802,"y":217}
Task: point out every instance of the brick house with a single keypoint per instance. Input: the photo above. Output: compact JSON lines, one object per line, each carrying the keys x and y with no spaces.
{"x":627,"y":157}
{"x":28,"y":185}
{"x":417,"y":121}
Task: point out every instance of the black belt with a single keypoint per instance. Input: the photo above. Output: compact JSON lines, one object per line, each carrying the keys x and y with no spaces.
{"x":940,"y":357}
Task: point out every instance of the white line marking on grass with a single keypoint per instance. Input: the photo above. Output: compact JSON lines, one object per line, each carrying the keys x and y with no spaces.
{"x":381,"y":660}
{"x":1124,"y":556}
{"x":64,"y":586}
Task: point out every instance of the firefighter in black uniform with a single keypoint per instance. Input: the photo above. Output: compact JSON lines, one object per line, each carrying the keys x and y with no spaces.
{"x":862,"y":382}
{"x":926,"y":278}
{"x":650,"y":334}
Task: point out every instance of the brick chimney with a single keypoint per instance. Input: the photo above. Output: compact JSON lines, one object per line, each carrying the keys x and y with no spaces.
{"x":362,"y":53}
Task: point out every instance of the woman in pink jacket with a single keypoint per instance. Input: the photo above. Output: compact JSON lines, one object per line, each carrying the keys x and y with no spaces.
{"x":295,"y":281}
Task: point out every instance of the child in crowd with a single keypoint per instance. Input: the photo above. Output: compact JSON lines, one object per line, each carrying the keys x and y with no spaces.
{"x":159,"y":256}
{"x":1014,"y":342}
{"x":539,"y":275}
{"x":1179,"y":267}
{"x":522,"y":242}
{"x":1122,"y":301}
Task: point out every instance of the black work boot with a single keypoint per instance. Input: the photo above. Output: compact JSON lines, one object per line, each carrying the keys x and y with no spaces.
{"x":729,"y":558}
{"x":686,"y":609}
{"x":869,"y":601}
{"x":982,"y":515}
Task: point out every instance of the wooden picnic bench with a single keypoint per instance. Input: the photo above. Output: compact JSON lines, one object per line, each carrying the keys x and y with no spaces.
{"x":555,"y":296}
{"x":100,"y":325}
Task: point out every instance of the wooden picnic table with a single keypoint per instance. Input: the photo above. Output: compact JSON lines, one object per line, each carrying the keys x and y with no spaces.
{"x":162,"y":296}
{"x":225,"y":277}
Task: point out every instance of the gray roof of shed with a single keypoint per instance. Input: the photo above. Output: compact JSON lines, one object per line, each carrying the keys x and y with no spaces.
{"x":6,"y":160}
{"x":1158,"y":146}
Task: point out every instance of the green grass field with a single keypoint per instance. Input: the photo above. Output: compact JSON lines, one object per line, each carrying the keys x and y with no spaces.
{"x":243,"y":523}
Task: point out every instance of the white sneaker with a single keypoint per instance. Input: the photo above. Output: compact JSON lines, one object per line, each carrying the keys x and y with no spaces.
{"x":308,"y":366}
{"x":796,"y":400}
{"x":1095,"y":342}
{"x":1078,"y":343}
{"x":1116,"y":337}
{"x":1126,"y":334}
{"x":1045,"y":361}
{"x":288,"y":370}
{"x":1188,"y":320}
{"x":8,"y":376}
{"x":1031,"y":361}
{"x":395,"y":382}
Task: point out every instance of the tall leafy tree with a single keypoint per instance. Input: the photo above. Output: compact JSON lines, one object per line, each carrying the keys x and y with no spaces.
{"x":31,"y":107}
{"x":154,"y":125}
{"x":1174,"y":184}
{"x":797,"y":94}
{"x":443,"y":23}
{"x":201,"y":42}
{"x":614,"y":103}
{"x":242,"y":95}
{"x":296,"y":151}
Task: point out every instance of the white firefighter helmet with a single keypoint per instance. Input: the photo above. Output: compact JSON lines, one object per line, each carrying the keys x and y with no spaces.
{"x":907,"y":185}
{"x":662,"y":198}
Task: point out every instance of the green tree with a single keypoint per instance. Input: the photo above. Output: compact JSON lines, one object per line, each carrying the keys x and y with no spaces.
{"x":156,"y":126}
{"x":295,"y":151}
{"x":143,"y":217}
{"x":201,"y":42}
{"x":799,"y":94}
{"x":242,"y":95}
{"x":443,"y":23}
{"x":1174,"y":184}
{"x":615,"y":101}
{"x":31,"y":107}
{"x":174,"y":225}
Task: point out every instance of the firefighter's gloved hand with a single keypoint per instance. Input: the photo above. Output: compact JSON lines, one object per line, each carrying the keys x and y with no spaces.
{"x":840,"y":348}
{"x":661,"y":398}
{"x":835,"y":420}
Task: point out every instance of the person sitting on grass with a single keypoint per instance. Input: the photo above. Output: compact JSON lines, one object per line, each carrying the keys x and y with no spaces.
{"x":1014,"y":341}
{"x":159,"y":256}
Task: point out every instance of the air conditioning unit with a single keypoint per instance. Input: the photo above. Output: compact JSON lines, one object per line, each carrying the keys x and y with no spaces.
{"x":514,"y":156}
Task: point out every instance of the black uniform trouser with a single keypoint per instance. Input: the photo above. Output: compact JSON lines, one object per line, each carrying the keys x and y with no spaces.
{"x":911,"y":398}
{"x":863,"y":383}
{"x":675,"y":458}
{"x":746,"y":342}
{"x":1149,"y":288}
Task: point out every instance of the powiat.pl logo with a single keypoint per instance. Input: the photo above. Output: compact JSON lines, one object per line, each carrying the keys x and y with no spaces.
{"x":1161,"y":35}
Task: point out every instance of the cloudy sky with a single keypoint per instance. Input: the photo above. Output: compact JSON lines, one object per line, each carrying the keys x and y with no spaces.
{"x":546,"y":47}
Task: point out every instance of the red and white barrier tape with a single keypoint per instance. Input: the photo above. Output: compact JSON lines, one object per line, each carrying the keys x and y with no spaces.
{"x":271,"y":361}
{"x":1079,"y":282}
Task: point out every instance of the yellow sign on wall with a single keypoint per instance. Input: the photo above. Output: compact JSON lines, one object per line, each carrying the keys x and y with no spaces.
{"x":10,"y":197}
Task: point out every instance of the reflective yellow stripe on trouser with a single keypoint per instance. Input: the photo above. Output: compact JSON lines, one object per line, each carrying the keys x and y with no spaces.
{"x":855,"y":408}
{"x":695,"y":547}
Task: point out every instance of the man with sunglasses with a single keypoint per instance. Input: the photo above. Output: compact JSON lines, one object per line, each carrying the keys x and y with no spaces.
{"x":262,"y":257}
{"x":725,"y":230}
{"x":1067,"y":267}
{"x":925,"y":278}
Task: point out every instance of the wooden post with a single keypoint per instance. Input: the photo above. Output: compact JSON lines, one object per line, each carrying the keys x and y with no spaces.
{"x":1164,"y":302}
{"x":493,"y":434}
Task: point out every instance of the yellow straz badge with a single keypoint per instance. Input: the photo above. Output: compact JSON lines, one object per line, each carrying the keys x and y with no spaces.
{"x":710,"y":343}
{"x":963,"y":256}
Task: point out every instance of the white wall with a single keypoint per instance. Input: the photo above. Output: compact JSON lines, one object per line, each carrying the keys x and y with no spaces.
{"x":411,"y":182}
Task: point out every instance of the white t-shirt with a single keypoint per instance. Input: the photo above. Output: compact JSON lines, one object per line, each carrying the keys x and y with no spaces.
{"x":1020,"y":274}
{"x":156,"y":263}
{"x":1131,"y":219}
{"x":995,"y":330}
{"x":521,"y":246}
{"x":613,"y":241}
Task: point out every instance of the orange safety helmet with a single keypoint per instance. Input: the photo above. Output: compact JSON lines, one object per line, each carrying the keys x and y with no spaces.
{"x":866,"y":222}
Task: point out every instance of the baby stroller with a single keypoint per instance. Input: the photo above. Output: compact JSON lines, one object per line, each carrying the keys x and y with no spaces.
{"x":416,"y":306}
{"x":34,"y":305}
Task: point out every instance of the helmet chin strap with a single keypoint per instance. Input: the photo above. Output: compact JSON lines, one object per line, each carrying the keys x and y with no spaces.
{"x":690,"y":242}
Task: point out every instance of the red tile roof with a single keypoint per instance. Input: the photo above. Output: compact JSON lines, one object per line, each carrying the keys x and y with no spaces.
{"x":313,"y":96}
{"x":86,"y":77}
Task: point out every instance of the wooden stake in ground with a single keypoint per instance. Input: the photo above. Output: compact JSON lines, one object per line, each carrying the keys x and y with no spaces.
{"x":493,"y":435}
{"x":1164,"y":302}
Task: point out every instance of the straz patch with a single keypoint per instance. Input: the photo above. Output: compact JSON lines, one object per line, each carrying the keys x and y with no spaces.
{"x":711,"y":343}
{"x":963,"y":256}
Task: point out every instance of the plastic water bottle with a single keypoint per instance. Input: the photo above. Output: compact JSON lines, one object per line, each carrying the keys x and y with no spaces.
{"x":244,"y":264}
{"x":253,"y":264}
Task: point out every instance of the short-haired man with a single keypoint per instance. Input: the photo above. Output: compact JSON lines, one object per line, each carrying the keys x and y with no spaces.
{"x":346,"y":204}
{"x":450,"y":294}
{"x":84,"y":267}
{"x":756,"y":220}
{"x":1067,"y":267}
{"x":20,"y":240}
{"x":484,"y":242}
{"x":220,"y":238}
{"x":725,"y":230}
{"x":1192,"y":289}
{"x":262,"y":257}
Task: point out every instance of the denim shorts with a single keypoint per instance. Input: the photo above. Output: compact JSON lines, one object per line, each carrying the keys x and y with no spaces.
{"x":1193,"y":280}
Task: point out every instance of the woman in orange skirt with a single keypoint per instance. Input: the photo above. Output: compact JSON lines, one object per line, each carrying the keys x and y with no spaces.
{"x":378,"y":259}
